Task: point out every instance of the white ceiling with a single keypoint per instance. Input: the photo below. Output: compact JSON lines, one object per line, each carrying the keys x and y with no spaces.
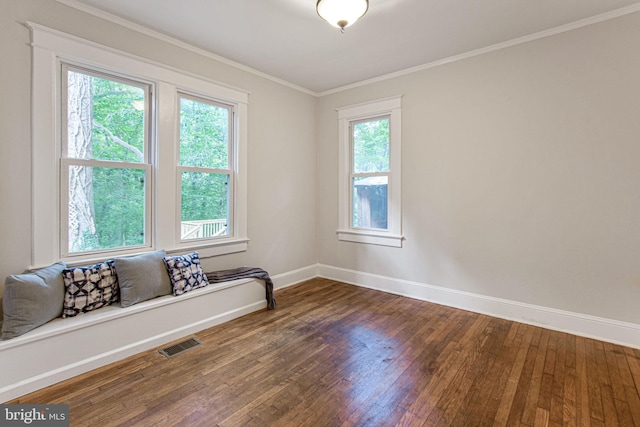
{"x":286,"y":39}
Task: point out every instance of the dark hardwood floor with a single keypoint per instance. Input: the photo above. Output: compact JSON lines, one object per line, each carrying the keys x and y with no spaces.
{"x":333,"y":354}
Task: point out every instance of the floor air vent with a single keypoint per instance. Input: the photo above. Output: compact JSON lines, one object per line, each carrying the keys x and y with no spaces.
{"x":181,"y":347}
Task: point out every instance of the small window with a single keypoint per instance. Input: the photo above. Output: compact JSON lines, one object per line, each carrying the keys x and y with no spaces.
{"x":205,"y":170}
{"x":105,"y":168}
{"x":370,"y":173}
{"x":370,"y":188}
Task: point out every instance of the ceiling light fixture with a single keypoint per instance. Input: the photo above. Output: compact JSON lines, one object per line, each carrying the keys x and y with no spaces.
{"x":342,"y":13}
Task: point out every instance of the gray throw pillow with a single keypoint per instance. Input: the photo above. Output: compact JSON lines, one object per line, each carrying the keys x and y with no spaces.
{"x":142,"y":277}
{"x":32,"y":299}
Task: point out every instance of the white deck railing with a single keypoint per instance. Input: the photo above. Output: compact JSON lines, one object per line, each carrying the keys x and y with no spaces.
{"x":203,"y":229}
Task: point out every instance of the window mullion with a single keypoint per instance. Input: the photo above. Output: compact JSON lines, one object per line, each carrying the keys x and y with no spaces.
{"x":366,"y":174}
{"x":104,"y":163}
{"x":204,"y":170}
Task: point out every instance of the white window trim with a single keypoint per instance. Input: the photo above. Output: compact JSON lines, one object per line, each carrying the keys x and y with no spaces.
{"x":346,"y":115}
{"x":51,"y":48}
{"x":180,"y":169}
{"x":66,"y":161}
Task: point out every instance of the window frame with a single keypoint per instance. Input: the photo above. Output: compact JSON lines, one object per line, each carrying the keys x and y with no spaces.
{"x":66,"y":162}
{"x":353,"y":175}
{"x":51,"y":48}
{"x":347,"y":117}
{"x":190,"y":168}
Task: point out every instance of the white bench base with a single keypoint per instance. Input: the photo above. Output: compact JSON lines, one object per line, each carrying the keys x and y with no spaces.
{"x":64,"y":348}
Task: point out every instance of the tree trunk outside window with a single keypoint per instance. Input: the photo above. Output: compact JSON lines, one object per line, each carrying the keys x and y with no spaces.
{"x":79,"y":130}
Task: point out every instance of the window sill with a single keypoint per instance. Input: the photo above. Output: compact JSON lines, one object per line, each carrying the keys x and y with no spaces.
{"x":371,"y":237}
{"x":204,"y":249}
{"x":211,"y":249}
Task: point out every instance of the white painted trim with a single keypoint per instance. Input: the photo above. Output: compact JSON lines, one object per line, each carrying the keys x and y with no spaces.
{"x":369,"y":108}
{"x":212,"y":249}
{"x":49,"y":354}
{"x":230,"y":300}
{"x":498,"y":46}
{"x":71,"y":370}
{"x":51,"y":48}
{"x":294,"y":277}
{"x":614,"y":331}
{"x":110,"y":59}
{"x":470,"y":54}
{"x":60,"y":326}
{"x":370,"y":237}
{"x":391,"y":107}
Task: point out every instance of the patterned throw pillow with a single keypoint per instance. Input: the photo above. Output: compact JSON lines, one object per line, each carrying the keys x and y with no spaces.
{"x":185,"y":273}
{"x":89,"y":288}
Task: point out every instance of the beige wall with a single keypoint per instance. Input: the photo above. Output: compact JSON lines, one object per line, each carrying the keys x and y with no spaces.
{"x":521,"y":174}
{"x":282,"y":215}
{"x":520,"y":167}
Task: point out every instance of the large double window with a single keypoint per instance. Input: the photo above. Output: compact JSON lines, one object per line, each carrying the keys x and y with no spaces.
{"x":131,"y":156}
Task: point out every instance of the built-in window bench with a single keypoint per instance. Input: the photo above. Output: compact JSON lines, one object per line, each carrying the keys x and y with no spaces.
{"x":63,"y":348}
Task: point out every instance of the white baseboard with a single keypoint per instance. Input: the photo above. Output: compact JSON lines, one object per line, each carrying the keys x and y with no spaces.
{"x":294,"y":277}
{"x":25,"y":354}
{"x":614,"y":331}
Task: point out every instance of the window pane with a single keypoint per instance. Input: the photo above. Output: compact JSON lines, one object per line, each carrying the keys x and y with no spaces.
{"x":371,"y":146}
{"x":204,"y":134}
{"x":370,"y":202}
{"x":106,"y":208}
{"x":105,"y":119}
{"x":205,"y":205}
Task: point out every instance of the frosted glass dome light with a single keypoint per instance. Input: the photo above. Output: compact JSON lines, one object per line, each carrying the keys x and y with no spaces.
{"x":342,"y":13}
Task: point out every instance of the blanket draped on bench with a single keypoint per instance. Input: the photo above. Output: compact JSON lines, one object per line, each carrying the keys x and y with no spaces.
{"x":245,"y":273}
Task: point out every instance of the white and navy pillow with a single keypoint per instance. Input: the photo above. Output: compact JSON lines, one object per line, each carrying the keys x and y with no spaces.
{"x":89,"y":288}
{"x":185,"y":273}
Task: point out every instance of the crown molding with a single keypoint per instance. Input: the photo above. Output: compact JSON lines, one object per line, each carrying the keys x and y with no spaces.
{"x":498,"y":46}
{"x":178,"y":43}
{"x":76,"y":4}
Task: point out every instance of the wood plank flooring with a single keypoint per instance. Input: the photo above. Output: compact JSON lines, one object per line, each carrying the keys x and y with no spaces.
{"x":333,"y":354}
